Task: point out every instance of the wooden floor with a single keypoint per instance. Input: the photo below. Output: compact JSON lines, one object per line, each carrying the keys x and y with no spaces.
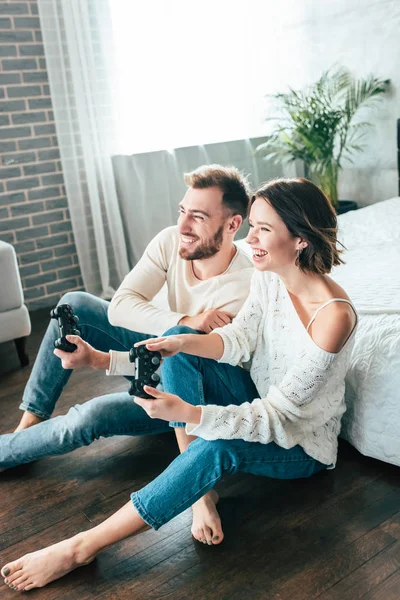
{"x":335,"y":536}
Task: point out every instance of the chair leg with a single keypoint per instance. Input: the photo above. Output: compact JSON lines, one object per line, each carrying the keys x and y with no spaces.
{"x":20,"y":344}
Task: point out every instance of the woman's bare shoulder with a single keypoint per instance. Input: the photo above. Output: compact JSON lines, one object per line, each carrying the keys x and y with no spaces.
{"x":333,"y":325}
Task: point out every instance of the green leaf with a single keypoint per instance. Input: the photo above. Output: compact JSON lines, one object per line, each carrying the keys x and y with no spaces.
{"x":316,"y":124}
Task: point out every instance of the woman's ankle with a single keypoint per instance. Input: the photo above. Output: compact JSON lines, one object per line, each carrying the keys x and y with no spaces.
{"x":83,"y":549}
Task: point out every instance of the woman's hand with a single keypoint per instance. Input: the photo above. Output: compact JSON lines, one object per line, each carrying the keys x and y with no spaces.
{"x":167,"y":346}
{"x":168,"y":407}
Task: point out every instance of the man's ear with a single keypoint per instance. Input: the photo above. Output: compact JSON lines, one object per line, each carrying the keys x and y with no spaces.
{"x":234,"y":223}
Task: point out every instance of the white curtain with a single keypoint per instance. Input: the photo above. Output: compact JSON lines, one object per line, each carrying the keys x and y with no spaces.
{"x":77,"y":40}
{"x":127,"y":78}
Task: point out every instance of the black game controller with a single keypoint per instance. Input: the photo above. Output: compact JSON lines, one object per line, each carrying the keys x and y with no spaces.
{"x":146,"y":363}
{"x":67,"y":325}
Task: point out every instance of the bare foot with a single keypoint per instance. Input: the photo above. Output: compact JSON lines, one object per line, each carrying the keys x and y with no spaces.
{"x":206,"y":526}
{"x":37,"y":569}
{"x":28,"y":419}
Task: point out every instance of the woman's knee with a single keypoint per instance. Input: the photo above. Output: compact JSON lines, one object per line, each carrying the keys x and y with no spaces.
{"x":179,"y":366}
{"x":219,"y":452}
{"x":172,"y":362}
{"x":179,"y":329}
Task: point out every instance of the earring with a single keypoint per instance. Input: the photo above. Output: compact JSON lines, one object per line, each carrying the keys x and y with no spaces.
{"x":299,"y":251}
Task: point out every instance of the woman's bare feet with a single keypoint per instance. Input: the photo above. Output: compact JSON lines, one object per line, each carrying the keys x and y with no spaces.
{"x":27,"y":420}
{"x":37,"y":569}
{"x":206,"y":526}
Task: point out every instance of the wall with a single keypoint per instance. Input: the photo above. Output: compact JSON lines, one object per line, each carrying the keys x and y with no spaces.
{"x":298,"y":41}
{"x":34,"y":213}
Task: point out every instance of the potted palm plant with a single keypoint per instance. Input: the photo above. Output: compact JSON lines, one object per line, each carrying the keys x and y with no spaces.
{"x":318,"y":126}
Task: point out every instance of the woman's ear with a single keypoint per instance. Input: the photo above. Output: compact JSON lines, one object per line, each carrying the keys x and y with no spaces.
{"x":302,"y":244}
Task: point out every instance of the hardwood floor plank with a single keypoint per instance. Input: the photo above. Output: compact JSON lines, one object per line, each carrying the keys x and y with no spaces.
{"x":364,"y":579}
{"x":388,"y":590}
{"x":320,"y":577}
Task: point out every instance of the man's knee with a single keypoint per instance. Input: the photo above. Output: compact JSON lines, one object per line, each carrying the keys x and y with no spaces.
{"x":83,"y":420}
{"x":178,"y":329}
{"x":74,"y":298}
{"x":83,"y":304}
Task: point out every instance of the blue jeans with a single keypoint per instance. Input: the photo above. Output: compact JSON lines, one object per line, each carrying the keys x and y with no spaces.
{"x":104,"y":416}
{"x":112,"y":414}
{"x":48,"y":378}
{"x":204,"y":463}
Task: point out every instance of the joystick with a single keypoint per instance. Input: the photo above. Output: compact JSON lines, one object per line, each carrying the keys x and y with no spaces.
{"x":67,"y":325}
{"x":146,"y":363}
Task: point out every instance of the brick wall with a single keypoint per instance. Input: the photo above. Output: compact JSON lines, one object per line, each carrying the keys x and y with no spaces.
{"x":34,"y":214}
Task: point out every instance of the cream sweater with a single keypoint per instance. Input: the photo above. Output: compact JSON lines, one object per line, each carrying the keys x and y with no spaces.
{"x":301,"y":386}
{"x":131,"y":306}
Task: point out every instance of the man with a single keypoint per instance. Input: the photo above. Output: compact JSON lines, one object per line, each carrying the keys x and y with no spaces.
{"x":207,"y":278}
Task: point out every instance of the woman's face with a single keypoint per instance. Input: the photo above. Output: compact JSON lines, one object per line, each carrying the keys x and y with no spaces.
{"x":274,"y":248}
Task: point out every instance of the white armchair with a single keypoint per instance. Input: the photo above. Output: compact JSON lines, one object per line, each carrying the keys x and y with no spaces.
{"x":15,"y":323}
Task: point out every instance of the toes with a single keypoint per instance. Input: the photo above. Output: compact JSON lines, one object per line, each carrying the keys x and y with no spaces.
{"x":217,"y":538}
{"x":198,"y":534}
{"x":203,"y":536}
{"x":216,"y":534}
{"x":10,"y":569}
{"x":208,"y":535}
{"x":19,"y":584}
{"x":14,"y":576}
{"x":5,"y":571}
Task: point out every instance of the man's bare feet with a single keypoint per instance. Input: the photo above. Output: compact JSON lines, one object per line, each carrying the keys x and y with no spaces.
{"x":27,"y":420}
{"x":206,"y":526}
{"x":37,"y":569}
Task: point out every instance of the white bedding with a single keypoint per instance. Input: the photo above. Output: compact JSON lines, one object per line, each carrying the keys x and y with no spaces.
{"x":371,"y":277}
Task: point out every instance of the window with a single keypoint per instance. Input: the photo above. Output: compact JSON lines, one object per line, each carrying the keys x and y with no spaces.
{"x":184,"y":73}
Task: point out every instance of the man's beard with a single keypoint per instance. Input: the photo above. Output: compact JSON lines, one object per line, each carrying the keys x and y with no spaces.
{"x":205,"y":250}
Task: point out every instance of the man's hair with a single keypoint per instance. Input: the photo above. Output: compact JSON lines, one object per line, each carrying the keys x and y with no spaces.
{"x":307,"y":213}
{"x":232,"y":183}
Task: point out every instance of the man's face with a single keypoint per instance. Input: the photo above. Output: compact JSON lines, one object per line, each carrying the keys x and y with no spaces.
{"x":201,"y":222}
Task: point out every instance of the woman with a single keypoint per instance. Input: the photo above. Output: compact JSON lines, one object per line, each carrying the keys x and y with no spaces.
{"x":279,"y":420}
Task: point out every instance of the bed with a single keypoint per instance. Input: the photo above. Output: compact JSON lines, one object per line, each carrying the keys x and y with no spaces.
{"x":371,"y":277}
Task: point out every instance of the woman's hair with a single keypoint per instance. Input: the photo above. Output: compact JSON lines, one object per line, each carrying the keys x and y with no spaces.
{"x":307,"y":213}
{"x":233,"y":185}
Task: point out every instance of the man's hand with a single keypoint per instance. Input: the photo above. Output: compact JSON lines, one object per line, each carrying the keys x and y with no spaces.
{"x":208,"y":320}
{"x":168,"y":407}
{"x":84,"y":355}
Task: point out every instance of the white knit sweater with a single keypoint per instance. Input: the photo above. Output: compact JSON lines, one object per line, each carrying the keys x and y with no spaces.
{"x":301,"y":386}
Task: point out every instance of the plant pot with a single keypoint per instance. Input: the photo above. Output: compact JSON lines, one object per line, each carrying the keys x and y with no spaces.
{"x":345,"y":206}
